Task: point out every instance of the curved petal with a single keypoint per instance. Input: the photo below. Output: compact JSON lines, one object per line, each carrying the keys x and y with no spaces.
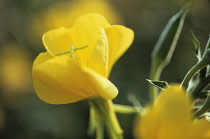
{"x":99,"y":58}
{"x":174,"y":107}
{"x":173,"y":103}
{"x":169,"y":118}
{"x":60,"y":80}
{"x":85,"y":31}
{"x":102,"y":85}
{"x":119,"y":39}
{"x":88,"y":27}
{"x":58,"y":40}
{"x":42,"y":58}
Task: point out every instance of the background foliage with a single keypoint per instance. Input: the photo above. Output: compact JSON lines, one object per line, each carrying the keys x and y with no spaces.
{"x":23,"y":115}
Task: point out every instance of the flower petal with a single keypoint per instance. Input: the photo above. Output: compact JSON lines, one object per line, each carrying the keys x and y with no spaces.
{"x":169,"y":118}
{"x":173,"y":103}
{"x":60,"y":80}
{"x":102,"y":85}
{"x":99,"y":59}
{"x":88,"y":27}
{"x":85,"y":31}
{"x":120,"y":39}
{"x":58,"y":40}
{"x":201,"y":129}
{"x":174,"y":108}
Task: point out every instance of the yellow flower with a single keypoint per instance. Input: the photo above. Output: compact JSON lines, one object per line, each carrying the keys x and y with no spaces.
{"x":15,"y":74}
{"x":171,"y":118}
{"x":75,"y":75}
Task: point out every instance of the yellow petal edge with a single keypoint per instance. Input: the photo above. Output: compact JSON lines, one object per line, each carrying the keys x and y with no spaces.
{"x":170,"y":118}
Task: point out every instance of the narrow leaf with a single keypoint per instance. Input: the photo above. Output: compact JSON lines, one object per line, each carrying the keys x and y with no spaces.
{"x":165,"y":46}
{"x":196,"y":44}
{"x":159,"y":84}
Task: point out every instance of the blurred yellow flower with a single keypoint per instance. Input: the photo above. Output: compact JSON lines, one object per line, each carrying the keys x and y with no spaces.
{"x":62,"y":14}
{"x":15,"y":73}
{"x":79,"y":59}
{"x":171,"y":118}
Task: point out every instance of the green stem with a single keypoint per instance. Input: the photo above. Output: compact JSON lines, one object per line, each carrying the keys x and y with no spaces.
{"x":105,"y":110}
{"x":92,"y":121}
{"x":156,"y":70}
{"x":126,"y":109}
{"x":96,"y":122}
{"x":112,"y":122}
{"x":100,"y":131}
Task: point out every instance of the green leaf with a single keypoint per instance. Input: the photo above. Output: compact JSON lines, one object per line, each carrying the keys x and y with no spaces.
{"x":159,"y":84}
{"x":196,"y":44}
{"x":165,"y":46}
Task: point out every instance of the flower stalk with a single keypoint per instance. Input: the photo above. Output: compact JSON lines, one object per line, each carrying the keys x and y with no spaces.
{"x":104,"y":114}
{"x":127,"y":109}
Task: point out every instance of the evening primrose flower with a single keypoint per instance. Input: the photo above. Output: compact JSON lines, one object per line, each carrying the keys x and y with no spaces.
{"x":171,"y":118}
{"x":79,"y":59}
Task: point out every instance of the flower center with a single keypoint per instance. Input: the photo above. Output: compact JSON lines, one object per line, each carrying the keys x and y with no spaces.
{"x":72,"y":50}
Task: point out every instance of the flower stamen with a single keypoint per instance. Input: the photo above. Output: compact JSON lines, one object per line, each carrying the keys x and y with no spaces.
{"x":72,"y":50}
